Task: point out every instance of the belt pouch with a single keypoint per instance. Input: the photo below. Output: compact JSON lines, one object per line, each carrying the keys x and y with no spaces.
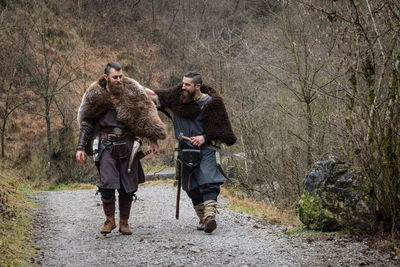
{"x":191,"y":157}
{"x":119,"y":150}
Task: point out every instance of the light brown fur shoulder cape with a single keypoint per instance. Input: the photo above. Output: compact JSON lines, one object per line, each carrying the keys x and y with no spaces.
{"x":133,"y":107}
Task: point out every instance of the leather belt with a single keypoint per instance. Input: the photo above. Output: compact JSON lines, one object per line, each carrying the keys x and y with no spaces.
{"x":115,"y":134}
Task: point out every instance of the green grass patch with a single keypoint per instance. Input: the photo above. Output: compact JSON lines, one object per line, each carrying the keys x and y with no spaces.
{"x":155,"y":168}
{"x":304,"y":232}
{"x":73,"y":186}
{"x":16,"y":219}
{"x":296,"y":229}
{"x":160,"y":182}
{"x":250,"y":210}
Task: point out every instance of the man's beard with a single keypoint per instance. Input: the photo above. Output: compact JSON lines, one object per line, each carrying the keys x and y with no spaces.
{"x":187,"y":96}
{"x":115,"y":87}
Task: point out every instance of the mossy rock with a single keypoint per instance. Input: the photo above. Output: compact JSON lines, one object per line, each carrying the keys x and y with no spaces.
{"x":314,"y":216}
{"x":336,"y":197}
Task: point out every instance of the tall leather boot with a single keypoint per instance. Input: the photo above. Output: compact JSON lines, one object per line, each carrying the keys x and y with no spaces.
{"x":200,"y":213}
{"x":109,"y":211}
{"x":210,"y":210}
{"x":125,"y":203}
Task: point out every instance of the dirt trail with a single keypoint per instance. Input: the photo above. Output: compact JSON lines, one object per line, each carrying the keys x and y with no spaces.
{"x":69,"y":223}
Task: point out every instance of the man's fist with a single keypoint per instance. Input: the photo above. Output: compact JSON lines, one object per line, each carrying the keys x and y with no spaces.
{"x":80,"y":156}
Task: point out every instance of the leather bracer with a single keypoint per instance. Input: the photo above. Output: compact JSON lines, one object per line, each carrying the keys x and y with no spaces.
{"x":86,"y":133}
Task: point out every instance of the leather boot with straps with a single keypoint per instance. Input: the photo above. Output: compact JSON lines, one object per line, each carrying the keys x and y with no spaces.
{"x":125,"y":202}
{"x":200,"y":213}
{"x":124,"y":227}
{"x":210,"y":211}
{"x":209,"y":224}
{"x":109,"y":211}
{"x":108,"y":225}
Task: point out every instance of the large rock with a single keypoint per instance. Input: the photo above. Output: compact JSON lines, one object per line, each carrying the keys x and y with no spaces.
{"x":334,"y":199}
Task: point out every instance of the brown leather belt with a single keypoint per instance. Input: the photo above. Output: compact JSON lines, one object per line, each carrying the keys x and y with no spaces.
{"x":115,"y":134}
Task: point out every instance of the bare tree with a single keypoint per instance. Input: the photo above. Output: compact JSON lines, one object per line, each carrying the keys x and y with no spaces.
{"x":13,"y":90}
{"x":49,"y":66}
{"x":369,"y":49}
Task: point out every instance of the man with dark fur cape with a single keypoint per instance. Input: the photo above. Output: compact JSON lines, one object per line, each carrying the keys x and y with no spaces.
{"x":118,"y":110}
{"x":198,"y":112}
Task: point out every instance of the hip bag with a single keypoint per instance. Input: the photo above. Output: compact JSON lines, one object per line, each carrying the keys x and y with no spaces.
{"x":119,"y":150}
{"x":190,"y":157}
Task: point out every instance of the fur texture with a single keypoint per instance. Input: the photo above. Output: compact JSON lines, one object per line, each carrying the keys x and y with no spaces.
{"x":134,"y":108}
{"x":216,"y":122}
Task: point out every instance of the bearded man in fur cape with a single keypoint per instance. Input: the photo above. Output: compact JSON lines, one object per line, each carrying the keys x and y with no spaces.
{"x":198,"y":112}
{"x":117,"y":109}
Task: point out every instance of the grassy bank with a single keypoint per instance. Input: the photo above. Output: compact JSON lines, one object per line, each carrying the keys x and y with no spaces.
{"x":16,"y":219}
{"x":268,"y":213}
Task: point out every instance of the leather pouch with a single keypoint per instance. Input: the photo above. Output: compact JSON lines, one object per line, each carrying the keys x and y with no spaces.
{"x":119,"y":150}
{"x":191,"y":157}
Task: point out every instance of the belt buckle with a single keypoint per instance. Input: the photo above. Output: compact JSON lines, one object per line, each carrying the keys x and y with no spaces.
{"x":117,"y":131}
{"x":113,"y":137}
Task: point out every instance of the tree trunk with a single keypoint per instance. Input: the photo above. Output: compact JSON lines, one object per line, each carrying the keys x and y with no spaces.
{"x":309,"y":135}
{"x":3,"y":133}
{"x":153,"y":20}
{"x":48,"y":125}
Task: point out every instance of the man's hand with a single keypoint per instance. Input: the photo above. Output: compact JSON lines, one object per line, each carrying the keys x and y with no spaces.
{"x":197,"y":140}
{"x":150,"y":93}
{"x":154,"y":147}
{"x":80,"y":156}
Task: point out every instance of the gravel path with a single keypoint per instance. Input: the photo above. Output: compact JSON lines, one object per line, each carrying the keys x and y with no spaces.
{"x":69,"y":223}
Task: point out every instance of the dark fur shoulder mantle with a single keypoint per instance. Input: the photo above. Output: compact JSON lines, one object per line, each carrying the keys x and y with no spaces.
{"x":216,"y":122}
